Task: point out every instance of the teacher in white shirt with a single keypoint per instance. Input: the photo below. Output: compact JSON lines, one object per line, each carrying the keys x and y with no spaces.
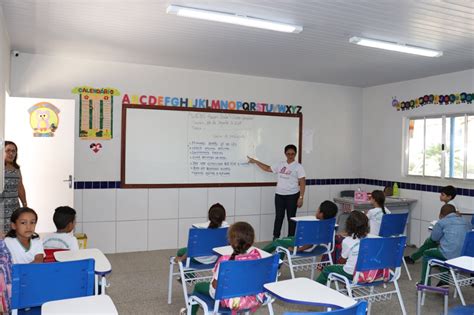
{"x":290,"y":188}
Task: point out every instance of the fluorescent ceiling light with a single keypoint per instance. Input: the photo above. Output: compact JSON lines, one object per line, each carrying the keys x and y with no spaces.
{"x":233,"y":19}
{"x":396,"y":47}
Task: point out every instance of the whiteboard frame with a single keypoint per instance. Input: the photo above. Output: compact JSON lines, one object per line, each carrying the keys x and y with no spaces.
{"x":123,"y":150}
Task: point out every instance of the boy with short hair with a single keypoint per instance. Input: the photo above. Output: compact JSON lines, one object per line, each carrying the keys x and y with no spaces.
{"x":327,"y":210}
{"x":446,"y":195}
{"x":450,"y":232}
{"x":65,"y":220}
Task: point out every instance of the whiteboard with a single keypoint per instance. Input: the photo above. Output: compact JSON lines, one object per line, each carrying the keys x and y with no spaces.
{"x":183,"y":147}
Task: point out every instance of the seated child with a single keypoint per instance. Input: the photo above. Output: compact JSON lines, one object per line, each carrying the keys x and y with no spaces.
{"x":65,"y":220}
{"x":377,"y":199}
{"x":357,"y":227}
{"x":450,"y":232}
{"x":446,"y":196}
{"x":23,"y":243}
{"x":216,"y":216}
{"x":241,"y":237}
{"x":327,"y":210}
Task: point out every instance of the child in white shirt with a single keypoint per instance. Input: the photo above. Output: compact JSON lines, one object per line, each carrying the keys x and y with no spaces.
{"x":65,"y":221}
{"x":357,"y":228}
{"x":375,"y":215}
{"x":22,"y":241}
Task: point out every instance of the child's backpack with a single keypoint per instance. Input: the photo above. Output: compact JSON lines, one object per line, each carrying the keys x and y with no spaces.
{"x":370,"y":276}
{"x":251,"y":302}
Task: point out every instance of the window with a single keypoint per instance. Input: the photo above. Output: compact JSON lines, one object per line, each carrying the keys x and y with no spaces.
{"x":441,"y":146}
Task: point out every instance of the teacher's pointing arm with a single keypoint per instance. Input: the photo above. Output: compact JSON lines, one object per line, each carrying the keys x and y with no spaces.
{"x":263,"y":166}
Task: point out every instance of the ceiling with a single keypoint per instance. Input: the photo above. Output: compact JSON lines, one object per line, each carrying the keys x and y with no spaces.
{"x":140,"y":31}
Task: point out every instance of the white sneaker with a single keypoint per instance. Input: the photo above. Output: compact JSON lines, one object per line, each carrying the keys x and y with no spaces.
{"x":183,"y":311}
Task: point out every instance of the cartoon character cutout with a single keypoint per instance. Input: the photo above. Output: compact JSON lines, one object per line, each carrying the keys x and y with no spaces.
{"x":44,"y":119}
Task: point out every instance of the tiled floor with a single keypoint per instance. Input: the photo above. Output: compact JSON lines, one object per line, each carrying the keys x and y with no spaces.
{"x":139,"y":284}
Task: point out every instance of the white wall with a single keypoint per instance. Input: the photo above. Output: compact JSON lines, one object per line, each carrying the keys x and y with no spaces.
{"x":4,"y":80}
{"x":383,"y":138}
{"x":118,"y":220}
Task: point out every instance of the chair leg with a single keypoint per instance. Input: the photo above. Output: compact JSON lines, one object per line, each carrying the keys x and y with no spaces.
{"x":170,"y":283}
{"x":428,"y":271}
{"x":458,"y":288}
{"x":369,"y":303}
{"x":290,"y":264}
{"x":270,"y":308}
{"x":313,"y":266}
{"x":369,"y":306}
{"x":446,"y":304}
{"x":400,"y":299}
{"x":418,"y":302}
{"x":406,"y":268}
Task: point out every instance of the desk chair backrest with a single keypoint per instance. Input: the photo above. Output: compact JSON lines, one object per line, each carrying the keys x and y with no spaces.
{"x":49,"y":254}
{"x":468,"y":247}
{"x":315,"y":232}
{"x":359,"y":308}
{"x":393,"y":224}
{"x":36,"y":284}
{"x":245,"y":277}
{"x":202,"y":241}
{"x":380,"y":253}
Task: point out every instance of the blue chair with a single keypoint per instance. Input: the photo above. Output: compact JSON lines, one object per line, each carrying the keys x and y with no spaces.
{"x":238,"y":278}
{"x":394,"y":224}
{"x":35,"y":284}
{"x":454,"y":276}
{"x":374,"y":254}
{"x":200,"y":243}
{"x":357,"y":309}
{"x":320,"y":234}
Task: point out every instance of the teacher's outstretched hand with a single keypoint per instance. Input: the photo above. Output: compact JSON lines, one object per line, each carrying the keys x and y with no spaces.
{"x":263,"y":166}
{"x":291,"y":185}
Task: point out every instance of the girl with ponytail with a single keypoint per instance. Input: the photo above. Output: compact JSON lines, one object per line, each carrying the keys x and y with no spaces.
{"x":216,"y":216}
{"x":375,"y":215}
{"x":241,"y":236}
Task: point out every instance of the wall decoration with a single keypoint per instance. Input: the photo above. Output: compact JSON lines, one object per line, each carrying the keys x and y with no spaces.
{"x":95,"y":112}
{"x":44,"y":119}
{"x":95,"y":147}
{"x":447,"y":99}
{"x":159,"y":100}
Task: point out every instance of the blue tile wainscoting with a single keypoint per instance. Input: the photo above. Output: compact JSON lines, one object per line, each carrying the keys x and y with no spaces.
{"x":327,"y":181}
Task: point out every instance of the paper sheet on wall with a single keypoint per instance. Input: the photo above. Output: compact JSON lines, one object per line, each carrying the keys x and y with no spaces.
{"x":95,"y":112}
{"x":308,"y":140}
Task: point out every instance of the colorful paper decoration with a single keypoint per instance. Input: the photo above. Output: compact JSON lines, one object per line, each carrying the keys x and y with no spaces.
{"x":44,"y":119}
{"x":448,"y":99}
{"x":95,"y":112}
{"x":221,"y":104}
